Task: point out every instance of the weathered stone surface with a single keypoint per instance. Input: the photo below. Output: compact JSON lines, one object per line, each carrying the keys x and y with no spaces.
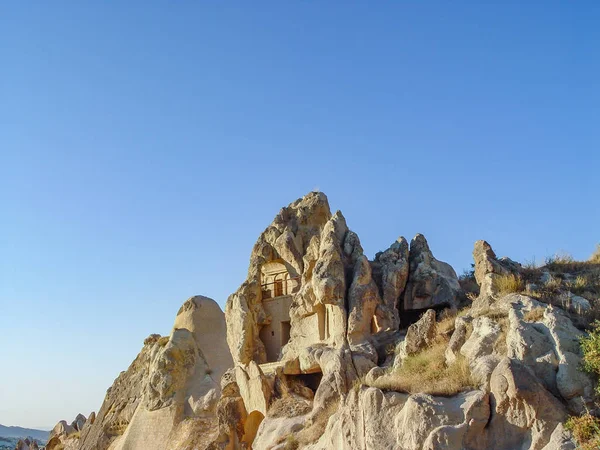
{"x":254,"y":388}
{"x":61,"y":437}
{"x":523,"y":409}
{"x":390,"y":272}
{"x":419,"y":335}
{"x":310,"y":282}
{"x":459,"y":337}
{"x":170,"y":380}
{"x":488,"y":268}
{"x":482,"y":339}
{"x":204,"y":319}
{"x":363,"y":300}
{"x":79,"y":422}
{"x":431,"y":283}
{"x":370,"y":418}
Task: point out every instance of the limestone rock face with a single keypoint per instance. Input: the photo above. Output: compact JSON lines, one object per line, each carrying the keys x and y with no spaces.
{"x":431,"y":283}
{"x":172,"y":379}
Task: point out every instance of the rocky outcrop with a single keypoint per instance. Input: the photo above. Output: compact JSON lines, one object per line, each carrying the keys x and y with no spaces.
{"x":390,"y":272}
{"x":419,"y":336}
{"x":488,"y":267}
{"x":171,"y":391}
{"x":64,"y":436}
{"x":316,"y":330}
{"x":431,"y":283}
{"x":27,"y":444}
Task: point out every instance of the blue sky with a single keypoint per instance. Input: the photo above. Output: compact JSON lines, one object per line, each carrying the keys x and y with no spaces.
{"x":144,"y":147}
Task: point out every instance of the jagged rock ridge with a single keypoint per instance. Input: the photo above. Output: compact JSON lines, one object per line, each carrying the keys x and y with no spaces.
{"x":317,"y":337}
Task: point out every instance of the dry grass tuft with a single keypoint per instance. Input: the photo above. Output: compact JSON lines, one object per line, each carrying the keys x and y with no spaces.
{"x":163,"y":341}
{"x":291,"y":443}
{"x":535,"y":315}
{"x":586,"y":431}
{"x":596,"y":255}
{"x":315,"y":430}
{"x":446,"y":321}
{"x":508,"y":284}
{"x":427,"y":372}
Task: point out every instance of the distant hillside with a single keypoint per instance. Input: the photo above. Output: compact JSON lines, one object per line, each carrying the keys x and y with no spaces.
{"x":18,"y":432}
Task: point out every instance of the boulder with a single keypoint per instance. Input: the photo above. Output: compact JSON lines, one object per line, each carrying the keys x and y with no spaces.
{"x":524,"y":411}
{"x":488,"y":267}
{"x":418,"y":337}
{"x":254,"y":387}
{"x":459,"y":337}
{"x":431,"y":283}
{"x":79,"y":422}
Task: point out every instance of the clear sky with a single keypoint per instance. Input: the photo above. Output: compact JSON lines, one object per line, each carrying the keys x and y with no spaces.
{"x":145,"y":145}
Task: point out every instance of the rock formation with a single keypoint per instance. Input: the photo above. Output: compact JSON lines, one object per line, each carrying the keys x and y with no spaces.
{"x":27,"y":444}
{"x":168,"y":396}
{"x":312,"y":346}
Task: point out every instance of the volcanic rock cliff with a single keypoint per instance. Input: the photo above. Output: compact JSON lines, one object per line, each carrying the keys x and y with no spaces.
{"x":322,"y":348}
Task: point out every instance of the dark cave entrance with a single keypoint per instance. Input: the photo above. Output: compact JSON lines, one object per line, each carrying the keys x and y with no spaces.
{"x":410,"y":316}
{"x":310,"y":380}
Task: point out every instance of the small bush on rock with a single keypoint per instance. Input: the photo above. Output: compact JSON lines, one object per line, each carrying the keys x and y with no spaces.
{"x":586,"y":431}
{"x":590,"y":347}
{"x":508,"y":284}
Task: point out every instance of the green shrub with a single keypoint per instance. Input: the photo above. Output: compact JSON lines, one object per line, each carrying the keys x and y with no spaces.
{"x":590,"y":347}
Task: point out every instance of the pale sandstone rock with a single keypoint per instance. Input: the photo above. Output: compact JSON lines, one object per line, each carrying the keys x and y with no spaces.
{"x":171,"y":380}
{"x":371,"y":419}
{"x":254,"y":388}
{"x":560,"y":440}
{"x":524,"y":411}
{"x":459,"y":337}
{"x":482,"y":339}
{"x":431,"y":283}
{"x":63,"y":436}
{"x":363,"y":300}
{"x":488,"y":268}
{"x":531,"y":346}
{"x":204,"y":318}
{"x":390,"y":271}
{"x":419,"y":335}
{"x":79,"y":422}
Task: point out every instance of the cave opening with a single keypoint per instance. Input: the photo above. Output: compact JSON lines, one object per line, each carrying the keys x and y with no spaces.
{"x":410,"y":316}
